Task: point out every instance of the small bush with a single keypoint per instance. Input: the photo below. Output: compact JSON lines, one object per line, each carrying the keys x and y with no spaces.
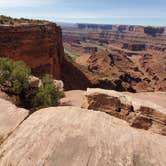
{"x":14,"y":75}
{"x":46,"y":94}
{"x":14,"y":80}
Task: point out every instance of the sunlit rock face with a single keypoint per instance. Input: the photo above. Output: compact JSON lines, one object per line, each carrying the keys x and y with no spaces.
{"x":141,"y":110}
{"x":71,"y":136}
{"x":39,"y":45}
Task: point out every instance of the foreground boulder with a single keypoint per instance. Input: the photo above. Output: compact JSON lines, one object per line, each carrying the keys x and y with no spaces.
{"x":70,"y":136}
{"x":10,"y":118}
{"x":140,"y":113}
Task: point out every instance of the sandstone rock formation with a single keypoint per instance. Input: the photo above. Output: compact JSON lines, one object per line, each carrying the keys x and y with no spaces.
{"x":136,"y":60}
{"x":140,"y":113}
{"x":10,"y":118}
{"x":118,"y":72}
{"x":70,"y":136}
{"x":39,"y":45}
{"x":134,"y":46}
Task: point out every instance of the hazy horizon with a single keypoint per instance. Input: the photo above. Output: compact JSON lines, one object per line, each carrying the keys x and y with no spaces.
{"x":138,"y":12}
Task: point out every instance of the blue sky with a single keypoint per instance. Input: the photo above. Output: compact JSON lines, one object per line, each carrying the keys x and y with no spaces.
{"x":142,"y":12}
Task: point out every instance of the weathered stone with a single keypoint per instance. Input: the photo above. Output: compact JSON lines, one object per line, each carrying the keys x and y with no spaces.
{"x":58,"y":84}
{"x":70,"y":136}
{"x":38,"y":45}
{"x":34,"y":82}
{"x":139,"y":113}
{"x":10,"y":118}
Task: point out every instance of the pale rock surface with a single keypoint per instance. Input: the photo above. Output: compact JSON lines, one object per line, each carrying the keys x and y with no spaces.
{"x":73,"y":98}
{"x":10,"y":118}
{"x":34,"y":82}
{"x":58,"y":84}
{"x":140,"y":112}
{"x":70,"y":136}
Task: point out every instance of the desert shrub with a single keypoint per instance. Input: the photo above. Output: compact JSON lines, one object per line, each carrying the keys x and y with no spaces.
{"x":14,"y":79}
{"x":14,"y":75}
{"x":47,"y":94}
{"x":11,"y":21}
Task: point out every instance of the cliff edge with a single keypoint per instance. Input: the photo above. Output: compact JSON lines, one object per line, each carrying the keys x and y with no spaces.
{"x":38,"y":44}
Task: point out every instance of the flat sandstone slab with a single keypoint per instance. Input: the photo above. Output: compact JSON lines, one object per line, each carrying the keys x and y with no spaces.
{"x":71,"y":136}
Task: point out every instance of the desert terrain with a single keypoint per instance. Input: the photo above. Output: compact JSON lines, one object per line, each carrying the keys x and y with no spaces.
{"x":120,"y":57}
{"x":104,"y":103}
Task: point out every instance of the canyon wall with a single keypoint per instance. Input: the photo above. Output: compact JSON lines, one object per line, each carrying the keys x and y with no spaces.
{"x":74,"y":76}
{"x":152,"y":37}
{"x":148,"y":30}
{"x":38,"y":45}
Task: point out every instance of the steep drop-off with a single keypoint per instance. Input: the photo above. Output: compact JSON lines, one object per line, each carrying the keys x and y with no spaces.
{"x":39,"y":45}
{"x":73,"y":76}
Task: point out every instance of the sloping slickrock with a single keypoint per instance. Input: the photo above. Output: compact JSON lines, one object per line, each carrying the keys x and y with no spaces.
{"x":70,"y":136}
{"x":10,"y":118}
{"x":143,"y":114}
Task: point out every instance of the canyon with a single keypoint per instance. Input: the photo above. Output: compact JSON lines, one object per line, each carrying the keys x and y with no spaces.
{"x":119,"y":57}
{"x":114,"y":108}
{"x":123,"y":58}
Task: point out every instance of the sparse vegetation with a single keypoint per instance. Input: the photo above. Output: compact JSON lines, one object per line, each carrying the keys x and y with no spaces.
{"x":100,"y":48}
{"x":46,"y":94}
{"x":70,"y":54}
{"x":14,"y":76}
{"x":4,"y":20}
{"x":14,"y":80}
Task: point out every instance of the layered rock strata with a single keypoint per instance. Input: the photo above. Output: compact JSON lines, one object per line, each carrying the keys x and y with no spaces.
{"x":39,"y":45}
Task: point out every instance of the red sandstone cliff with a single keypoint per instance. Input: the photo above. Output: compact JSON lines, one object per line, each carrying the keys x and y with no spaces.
{"x":39,"y":45}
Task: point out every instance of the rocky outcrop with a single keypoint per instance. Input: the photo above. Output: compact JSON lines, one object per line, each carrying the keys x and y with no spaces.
{"x":39,"y":45}
{"x":134,"y":46}
{"x":153,"y":31}
{"x":143,"y":114}
{"x":117,"y":71}
{"x":10,"y":118}
{"x":125,"y":67}
{"x":68,"y":136}
{"x":35,"y":82}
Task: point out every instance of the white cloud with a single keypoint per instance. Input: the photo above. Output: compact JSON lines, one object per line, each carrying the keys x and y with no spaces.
{"x":23,"y":3}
